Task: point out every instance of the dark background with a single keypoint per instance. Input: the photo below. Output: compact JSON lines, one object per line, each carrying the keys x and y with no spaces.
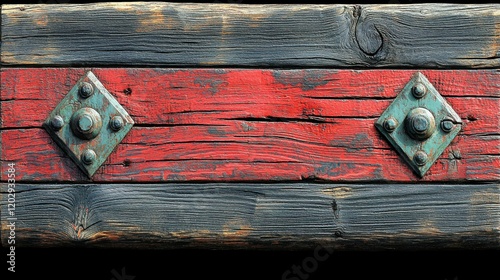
{"x":85,"y":263}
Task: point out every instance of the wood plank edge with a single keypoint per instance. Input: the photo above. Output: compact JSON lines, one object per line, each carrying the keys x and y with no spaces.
{"x":259,"y":216}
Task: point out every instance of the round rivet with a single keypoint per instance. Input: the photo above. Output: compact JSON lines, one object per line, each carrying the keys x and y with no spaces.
{"x":86,"y":90}
{"x":116,"y":123}
{"x":420,"y":158}
{"x":390,"y":124}
{"x":419,"y":90}
{"x":57,"y":122}
{"x":420,"y":123}
{"x":447,"y":125}
{"x":86,"y":123}
{"x":88,"y":157}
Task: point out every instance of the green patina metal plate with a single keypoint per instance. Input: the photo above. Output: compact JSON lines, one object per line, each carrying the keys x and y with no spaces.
{"x":419,"y":124}
{"x":88,"y":124}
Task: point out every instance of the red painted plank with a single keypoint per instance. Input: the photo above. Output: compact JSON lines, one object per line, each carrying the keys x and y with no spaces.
{"x":224,"y":125}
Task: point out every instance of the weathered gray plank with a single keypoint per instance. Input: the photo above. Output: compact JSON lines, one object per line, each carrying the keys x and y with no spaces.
{"x":168,"y":34}
{"x":285,"y":215}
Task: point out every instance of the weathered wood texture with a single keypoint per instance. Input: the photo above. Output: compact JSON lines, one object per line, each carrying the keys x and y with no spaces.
{"x":257,"y":216}
{"x":247,"y":125}
{"x":167,"y":34}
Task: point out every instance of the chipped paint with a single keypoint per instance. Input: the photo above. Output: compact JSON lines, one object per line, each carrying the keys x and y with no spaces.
{"x":246,"y":126}
{"x":306,"y":79}
{"x":211,"y":85}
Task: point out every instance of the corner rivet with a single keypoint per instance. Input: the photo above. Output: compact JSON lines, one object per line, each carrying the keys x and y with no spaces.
{"x":88,"y":157}
{"x":86,"y":90}
{"x":390,"y":124}
{"x":57,"y":122}
{"x":419,"y":90}
{"x":447,"y":125}
{"x":116,"y":123}
{"x":420,"y":158}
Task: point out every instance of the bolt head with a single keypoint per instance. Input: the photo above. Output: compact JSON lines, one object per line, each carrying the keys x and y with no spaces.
{"x":116,"y":123}
{"x":447,"y":125}
{"x":86,"y":123}
{"x":419,"y":90}
{"x":420,"y":158}
{"x":420,"y":124}
{"x":86,"y":90}
{"x":390,"y":124}
{"x":88,"y":157}
{"x":57,"y":122}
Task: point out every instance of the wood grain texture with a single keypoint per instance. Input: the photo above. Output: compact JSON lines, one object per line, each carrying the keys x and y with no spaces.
{"x":247,"y":125}
{"x":168,"y":34}
{"x":257,"y":216}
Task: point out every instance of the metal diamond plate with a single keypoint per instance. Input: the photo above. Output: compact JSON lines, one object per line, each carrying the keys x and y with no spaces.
{"x":419,"y":124}
{"x":88,"y":124}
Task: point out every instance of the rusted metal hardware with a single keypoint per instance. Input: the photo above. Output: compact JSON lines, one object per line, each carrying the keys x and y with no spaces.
{"x":419,"y":124}
{"x":88,"y":124}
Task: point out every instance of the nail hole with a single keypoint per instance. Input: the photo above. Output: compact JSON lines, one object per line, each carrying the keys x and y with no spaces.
{"x":471,"y":118}
{"x":127,"y":91}
{"x":127,"y":162}
{"x":22,"y":9}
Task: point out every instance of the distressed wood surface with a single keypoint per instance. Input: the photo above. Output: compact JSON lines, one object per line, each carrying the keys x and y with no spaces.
{"x":247,"y":125}
{"x":257,"y":216}
{"x":168,"y":34}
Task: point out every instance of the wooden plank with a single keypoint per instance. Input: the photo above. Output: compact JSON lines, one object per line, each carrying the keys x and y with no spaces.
{"x":246,"y":125}
{"x":349,"y":217}
{"x":169,"y":34}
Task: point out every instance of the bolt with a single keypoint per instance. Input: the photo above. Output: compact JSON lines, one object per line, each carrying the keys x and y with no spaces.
{"x":85,"y":123}
{"x":420,"y":124}
{"x":57,"y":122}
{"x":116,"y":123}
{"x":419,"y":90}
{"x":88,"y":157}
{"x":420,"y":158}
{"x":447,"y":125}
{"x":390,"y":124}
{"x":86,"y":90}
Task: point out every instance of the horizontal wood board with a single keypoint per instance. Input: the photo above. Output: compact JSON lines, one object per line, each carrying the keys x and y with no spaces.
{"x":361,"y":217}
{"x":215,"y":35}
{"x":250,"y":125}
